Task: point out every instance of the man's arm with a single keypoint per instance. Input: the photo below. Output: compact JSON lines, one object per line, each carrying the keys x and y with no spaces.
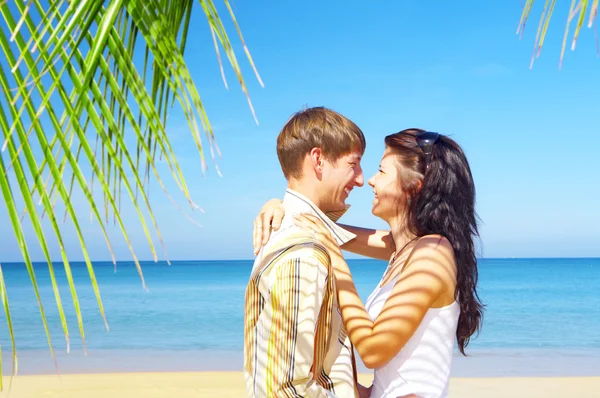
{"x":369,"y":242}
{"x":298,"y":289}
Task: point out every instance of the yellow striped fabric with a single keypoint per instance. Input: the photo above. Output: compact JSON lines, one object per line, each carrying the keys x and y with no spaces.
{"x":291,"y":346}
{"x":295,"y":341}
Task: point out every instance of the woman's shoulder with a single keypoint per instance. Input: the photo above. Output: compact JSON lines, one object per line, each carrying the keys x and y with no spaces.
{"x":434,"y":247}
{"x":433,"y":241}
{"x":434,"y":256}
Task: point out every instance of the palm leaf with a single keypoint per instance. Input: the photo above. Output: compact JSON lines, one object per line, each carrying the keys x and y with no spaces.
{"x":72,"y":88}
{"x":577,"y":6}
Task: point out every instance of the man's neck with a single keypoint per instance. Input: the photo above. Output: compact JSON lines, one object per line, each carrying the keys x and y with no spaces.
{"x":307,"y":189}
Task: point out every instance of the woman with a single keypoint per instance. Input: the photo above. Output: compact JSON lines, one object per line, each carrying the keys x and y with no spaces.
{"x":424,"y":190}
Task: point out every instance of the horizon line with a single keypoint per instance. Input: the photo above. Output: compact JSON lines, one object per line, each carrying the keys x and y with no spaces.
{"x":250,"y":259}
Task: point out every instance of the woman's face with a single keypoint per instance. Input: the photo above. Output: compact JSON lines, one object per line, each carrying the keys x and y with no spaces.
{"x":387,"y":188}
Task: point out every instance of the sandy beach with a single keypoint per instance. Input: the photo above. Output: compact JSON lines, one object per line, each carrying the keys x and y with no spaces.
{"x":231,"y":384}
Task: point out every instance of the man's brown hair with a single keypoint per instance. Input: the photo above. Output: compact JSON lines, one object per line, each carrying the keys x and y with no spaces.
{"x":316,"y":127}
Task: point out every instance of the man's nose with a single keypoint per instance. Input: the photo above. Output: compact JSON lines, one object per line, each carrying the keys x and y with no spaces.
{"x":360,"y":179}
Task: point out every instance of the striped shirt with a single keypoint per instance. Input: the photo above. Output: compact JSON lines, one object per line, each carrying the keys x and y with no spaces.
{"x":296,"y":344}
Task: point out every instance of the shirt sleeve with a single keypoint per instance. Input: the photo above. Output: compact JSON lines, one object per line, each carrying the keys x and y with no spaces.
{"x":297,"y":293}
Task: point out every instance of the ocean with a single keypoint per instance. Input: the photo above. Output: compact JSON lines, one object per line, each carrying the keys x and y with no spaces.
{"x":542,"y":317}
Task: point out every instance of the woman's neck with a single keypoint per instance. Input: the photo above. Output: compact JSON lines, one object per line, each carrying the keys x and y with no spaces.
{"x":400,"y":234}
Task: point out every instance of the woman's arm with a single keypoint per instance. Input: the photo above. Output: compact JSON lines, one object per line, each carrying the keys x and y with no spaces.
{"x":269,"y":216}
{"x":368,"y":242}
{"x":429,"y":272}
{"x":426,"y":276}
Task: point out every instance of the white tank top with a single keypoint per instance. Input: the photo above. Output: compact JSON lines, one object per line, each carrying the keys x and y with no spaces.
{"x":422,"y":366}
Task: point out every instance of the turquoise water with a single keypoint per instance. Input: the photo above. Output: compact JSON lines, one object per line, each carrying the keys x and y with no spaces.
{"x":193,"y":312}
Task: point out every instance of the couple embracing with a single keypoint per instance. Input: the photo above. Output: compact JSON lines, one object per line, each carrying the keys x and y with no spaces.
{"x":304,"y":318}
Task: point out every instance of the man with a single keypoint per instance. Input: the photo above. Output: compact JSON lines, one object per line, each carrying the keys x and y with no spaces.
{"x":295,"y":341}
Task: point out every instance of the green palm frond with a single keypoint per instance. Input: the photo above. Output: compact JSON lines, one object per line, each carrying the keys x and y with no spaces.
{"x":72,"y":87}
{"x":578,"y":10}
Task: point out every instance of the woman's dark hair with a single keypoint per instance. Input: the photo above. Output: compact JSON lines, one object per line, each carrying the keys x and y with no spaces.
{"x":444,"y":205}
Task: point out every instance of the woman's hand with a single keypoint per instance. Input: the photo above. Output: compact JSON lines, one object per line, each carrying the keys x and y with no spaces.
{"x":270,"y":216}
{"x":317,"y":228}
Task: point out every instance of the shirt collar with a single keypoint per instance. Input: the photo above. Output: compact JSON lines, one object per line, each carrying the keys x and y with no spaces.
{"x":297,"y":203}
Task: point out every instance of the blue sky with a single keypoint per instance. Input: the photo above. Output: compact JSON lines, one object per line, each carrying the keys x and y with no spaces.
{"x":453,"y":67}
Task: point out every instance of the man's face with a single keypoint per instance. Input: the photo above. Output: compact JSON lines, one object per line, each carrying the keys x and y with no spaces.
{"x":339,"y":178}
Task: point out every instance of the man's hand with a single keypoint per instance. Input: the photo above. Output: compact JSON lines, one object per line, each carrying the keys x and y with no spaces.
{"x":364,"y":392}
{"x":270,"y":216}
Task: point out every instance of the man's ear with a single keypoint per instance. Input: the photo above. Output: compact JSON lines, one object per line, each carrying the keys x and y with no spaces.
{"x":317,"y":160}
